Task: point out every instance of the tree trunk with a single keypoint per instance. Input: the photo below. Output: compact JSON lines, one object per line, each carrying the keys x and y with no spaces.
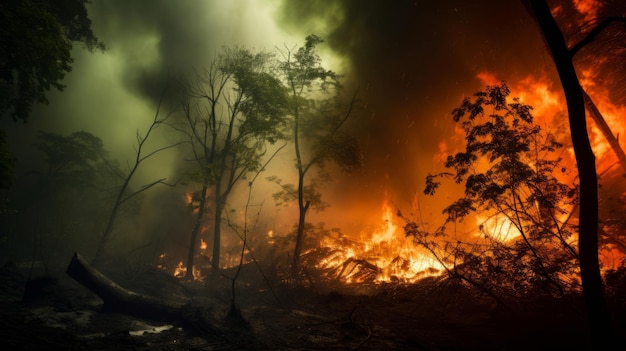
{"x":217,"y":234}
{"x":597,"y":309}
{"x":195,"y":231}
{"x":301,"y":206}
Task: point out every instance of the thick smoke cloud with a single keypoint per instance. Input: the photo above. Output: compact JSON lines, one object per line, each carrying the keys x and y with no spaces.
{"x":414,"y":62}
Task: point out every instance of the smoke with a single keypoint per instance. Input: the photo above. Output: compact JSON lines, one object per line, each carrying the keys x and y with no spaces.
{"x":412,"y":61}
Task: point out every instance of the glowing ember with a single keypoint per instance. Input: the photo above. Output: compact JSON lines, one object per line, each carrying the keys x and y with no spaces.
{"x":180,"y":270}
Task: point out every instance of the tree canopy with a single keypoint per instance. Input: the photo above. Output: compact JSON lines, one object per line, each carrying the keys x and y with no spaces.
{"x":35,"y":49}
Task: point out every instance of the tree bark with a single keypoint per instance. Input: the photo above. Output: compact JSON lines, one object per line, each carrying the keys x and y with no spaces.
{"x":597,"y":310}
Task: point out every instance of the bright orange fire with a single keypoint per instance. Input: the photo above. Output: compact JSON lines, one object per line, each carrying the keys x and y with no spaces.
{"x":386,"y":254}
{"x":549,"y":109}
{"x":180,"y":271}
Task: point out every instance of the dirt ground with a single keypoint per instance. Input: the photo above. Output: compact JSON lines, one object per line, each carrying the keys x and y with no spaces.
{"x":57,"y":312}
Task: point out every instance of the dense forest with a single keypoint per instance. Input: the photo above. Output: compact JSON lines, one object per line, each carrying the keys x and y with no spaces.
{"x":301,"y":175}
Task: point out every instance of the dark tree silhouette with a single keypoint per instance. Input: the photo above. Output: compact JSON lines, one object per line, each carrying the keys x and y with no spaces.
{"x":316,"y":126}
{"x":124,"y":192}
{"x":35,"y":49}
{"x":230,"y":116}
{"x":508,"y":171}
{"x":597,"y":309}
{"x":36,"y":40}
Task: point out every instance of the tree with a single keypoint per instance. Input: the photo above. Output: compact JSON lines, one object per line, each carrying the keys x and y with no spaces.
{"x":35,"y":46}
{"x":35,"y":54}
{"x":124,"y":193}
{"x":64,"y":202}
{"x":562,"y":55}
{"x":508,"y":171}
{"x":230,"y":117}
{"x":315,"y":125}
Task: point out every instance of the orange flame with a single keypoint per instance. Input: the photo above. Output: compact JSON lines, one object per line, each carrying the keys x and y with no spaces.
{"x":386,"y":254}
{"x":549,"y":109}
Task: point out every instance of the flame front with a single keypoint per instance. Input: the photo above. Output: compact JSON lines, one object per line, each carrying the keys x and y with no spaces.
{"x":384,"y":255}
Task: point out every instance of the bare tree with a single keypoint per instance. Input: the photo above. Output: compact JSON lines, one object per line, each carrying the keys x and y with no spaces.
{"x":315,"y":130}
{"x":231,"y":114}
{"x":123,"y":194}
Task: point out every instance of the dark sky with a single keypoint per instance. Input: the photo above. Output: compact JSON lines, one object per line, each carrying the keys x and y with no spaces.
{"x":413,"y":62}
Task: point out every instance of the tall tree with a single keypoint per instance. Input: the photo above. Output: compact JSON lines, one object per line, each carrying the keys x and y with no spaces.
{"x":230,"y":116}
{"x":36,"y":40}
{"x":562,"y":55}
{"x":315,"y":129}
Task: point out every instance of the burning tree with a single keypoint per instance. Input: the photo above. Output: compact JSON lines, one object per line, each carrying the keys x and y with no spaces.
{"x":315,"y":125}
{"x":230,"y":116}
{"x":509,"y":171}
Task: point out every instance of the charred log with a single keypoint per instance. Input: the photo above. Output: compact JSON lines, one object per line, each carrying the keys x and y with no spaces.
{"x":118,"y":299}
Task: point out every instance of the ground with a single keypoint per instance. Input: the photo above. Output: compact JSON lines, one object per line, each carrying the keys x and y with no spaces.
{"x":58,"y":312}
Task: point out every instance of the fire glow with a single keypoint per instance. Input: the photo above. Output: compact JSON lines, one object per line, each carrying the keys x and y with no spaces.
{"x":385,"y":255}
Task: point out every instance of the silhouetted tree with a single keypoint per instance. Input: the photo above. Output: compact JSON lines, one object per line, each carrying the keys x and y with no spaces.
{"x":124,"y":192}
{"x":508,"y":174}
{"x":315,"y":130}
{"x":35,"y":49}
{"x":64,"y":204}
{"x":36,"y":40}
{"x":562,"y":55}
{"x":231,"y":115}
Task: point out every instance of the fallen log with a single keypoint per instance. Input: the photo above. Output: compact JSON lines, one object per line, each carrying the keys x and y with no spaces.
{"x":235,"y":332}
{"x":118,"y":299}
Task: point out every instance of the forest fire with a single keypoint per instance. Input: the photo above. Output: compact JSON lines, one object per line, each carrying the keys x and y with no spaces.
{"x":384,"y":255}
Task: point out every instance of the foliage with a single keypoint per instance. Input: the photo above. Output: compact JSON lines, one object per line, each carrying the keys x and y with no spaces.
{"x":35,"y":45}
{"x":289,"y":194}
{"x":71,"y":159}
{"x":64,"y":204}
{"x":316,"y":117}
{"x":231,"y":116}
{"x":509,"y":174}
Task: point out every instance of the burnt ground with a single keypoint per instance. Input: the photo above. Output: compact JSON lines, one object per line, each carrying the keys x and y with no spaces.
{"x":57,"y":312}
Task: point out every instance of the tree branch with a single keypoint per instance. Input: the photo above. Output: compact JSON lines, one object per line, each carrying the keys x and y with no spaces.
{"x":591,"y":36}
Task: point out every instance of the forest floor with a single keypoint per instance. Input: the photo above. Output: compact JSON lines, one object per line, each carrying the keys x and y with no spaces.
{"x":60,"y":313}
